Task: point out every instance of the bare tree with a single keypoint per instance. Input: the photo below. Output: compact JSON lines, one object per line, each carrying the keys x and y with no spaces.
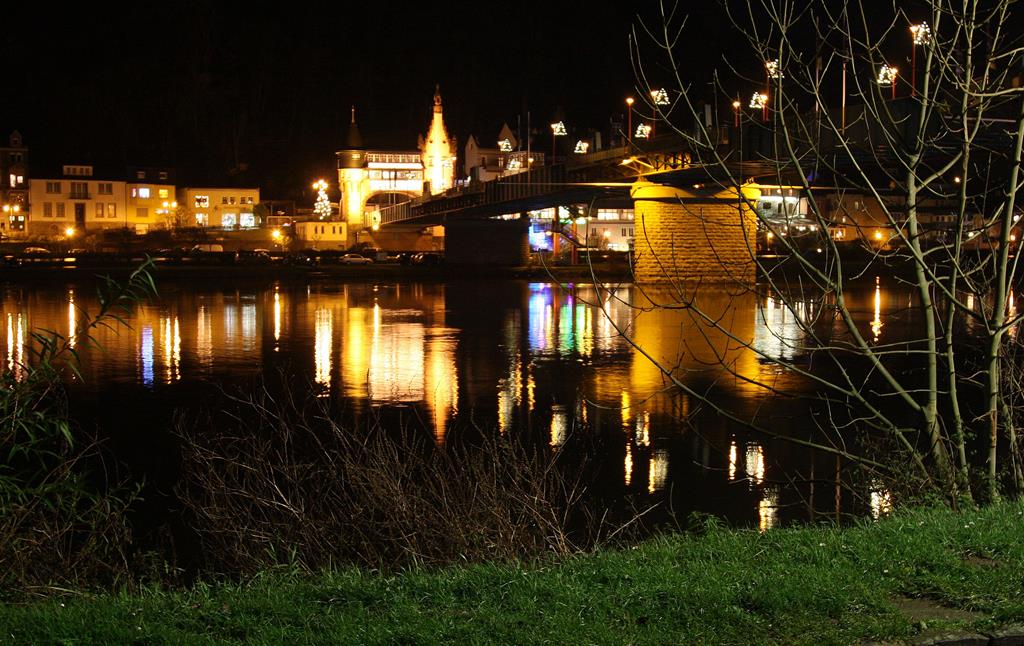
{"x":915,"y":175}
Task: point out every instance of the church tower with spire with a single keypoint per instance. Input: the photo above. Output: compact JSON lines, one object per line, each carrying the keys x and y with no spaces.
{"x":438,"y":151}
{"x":353,"y":179}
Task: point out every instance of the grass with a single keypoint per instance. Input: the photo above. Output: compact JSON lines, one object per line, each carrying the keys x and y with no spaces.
{"x":818,"y":585}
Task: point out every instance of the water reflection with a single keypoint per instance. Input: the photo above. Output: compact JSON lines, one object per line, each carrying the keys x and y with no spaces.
{"x":493,"y":357}
{"x":876,"y":323}
{"x":72,"y":319}
{"x":323,"y":347}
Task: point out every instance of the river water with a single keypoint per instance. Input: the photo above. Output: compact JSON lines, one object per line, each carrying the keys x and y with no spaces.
{"x":543,"y":361}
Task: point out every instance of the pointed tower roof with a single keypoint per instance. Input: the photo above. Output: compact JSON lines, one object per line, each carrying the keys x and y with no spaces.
{"x":353,"y":140}
{"x":352,"y":155}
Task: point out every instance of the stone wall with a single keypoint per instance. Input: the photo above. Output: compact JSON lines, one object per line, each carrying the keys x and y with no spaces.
{"x":487,"y":242}
{"x":699,"y":235}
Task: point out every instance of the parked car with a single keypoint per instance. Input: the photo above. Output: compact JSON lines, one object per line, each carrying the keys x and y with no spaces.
{"x":208,"y":248}
{"x":355,"y":259}
{"x":35,"y":250}
{"x":428,"y":259}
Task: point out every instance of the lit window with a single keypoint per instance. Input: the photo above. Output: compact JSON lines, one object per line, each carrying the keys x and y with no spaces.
{"x":163,"y":174}
{"x":202,"y":201}
{"x":144,"y":192}
{"x":14,"y":179}
{"x":162,"y":193}
{"x":247,"y":220}
{"x":202,"y":219}
{"x":99,"y":209}
{"x":228,"y":220}
{"x":111,"y":210}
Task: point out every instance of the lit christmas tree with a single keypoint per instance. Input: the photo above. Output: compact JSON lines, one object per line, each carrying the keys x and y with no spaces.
{"x":322,"y":207}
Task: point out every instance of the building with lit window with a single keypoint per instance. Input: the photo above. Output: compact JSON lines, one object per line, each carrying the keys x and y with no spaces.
{"x":14,"y":195}
{"x":151,"y":200}
{"x":229,"y":209}
{"x":372,"y":179}
{"x":73,"y":201}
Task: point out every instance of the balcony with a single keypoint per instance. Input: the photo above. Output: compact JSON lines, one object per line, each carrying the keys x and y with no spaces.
{"x":80,"y":195}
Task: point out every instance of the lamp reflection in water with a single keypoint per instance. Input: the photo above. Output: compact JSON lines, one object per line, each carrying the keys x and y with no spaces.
{"x":767,"y":509}
{"x":72,"y":319}
{"x":876,"y":323}
{"x":146,"y":356}
{"x":754,"y":466}
{"x":171,"y":338}
{"x":658,"y":471}
{"x":204,"y":337}
{"x":322,"y":346}
{"x":559,"y":425}
{"x":733,"y":458}
{"x":628,"y":466}
{"x":277,"y":319}
{"x":16,"y":345}
{"x":442,"y":384}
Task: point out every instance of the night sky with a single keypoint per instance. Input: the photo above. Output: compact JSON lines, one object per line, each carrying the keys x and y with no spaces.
{"x":237,"y":93}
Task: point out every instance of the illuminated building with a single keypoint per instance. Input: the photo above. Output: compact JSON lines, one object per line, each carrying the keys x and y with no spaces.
{"x":74,"y":199}
{"x":371,"y":179}
{"x":14,"y":186}
{"x":219,"y":208}
{"x":151,"y":200}
{"x":438,"y":152}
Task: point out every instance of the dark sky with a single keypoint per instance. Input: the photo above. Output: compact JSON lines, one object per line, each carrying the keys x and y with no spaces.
{"x":229,"y":92}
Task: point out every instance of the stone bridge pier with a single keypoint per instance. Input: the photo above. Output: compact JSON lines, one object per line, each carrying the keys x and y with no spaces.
{"x":694,"y":235}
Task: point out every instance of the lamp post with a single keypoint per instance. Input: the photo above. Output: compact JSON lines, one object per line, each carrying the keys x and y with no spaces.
{"x":887,"y":77}
{"x":736,"y":111}
{"x":760,"y":102}
{"x":629,"y":122}
{"x":557,"y":130}
{"x":921,"y":35}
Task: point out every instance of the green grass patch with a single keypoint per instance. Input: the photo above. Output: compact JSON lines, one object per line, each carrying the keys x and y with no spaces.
{"x":816,"y":585}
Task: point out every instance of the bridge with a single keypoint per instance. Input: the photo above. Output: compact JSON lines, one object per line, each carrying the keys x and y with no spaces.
{"x":686,"y":215}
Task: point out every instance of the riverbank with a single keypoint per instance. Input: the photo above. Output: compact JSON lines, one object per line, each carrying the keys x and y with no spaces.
{"x":912,"y":577}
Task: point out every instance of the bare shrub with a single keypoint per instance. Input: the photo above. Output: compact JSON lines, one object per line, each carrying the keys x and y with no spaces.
{"x":282,"y":482}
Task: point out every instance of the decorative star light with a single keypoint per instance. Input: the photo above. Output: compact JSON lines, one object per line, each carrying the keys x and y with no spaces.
{"x":660,"y":96}
{"x":887,"y":75}
{"x":513,"y":164}
{"x":921,"y":33}
{"x":505,"y":146}
{"x":558,"y":129}
{"x":582,"y":147}
{"x":759,"y":100}
{"x":774,"y":69}
{"x":643,"y":131}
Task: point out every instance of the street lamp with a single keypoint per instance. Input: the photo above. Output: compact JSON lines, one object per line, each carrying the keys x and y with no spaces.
{"x":736,"y":111}
{"x":887,"y":77}
{"x":557,"y":130}
{"x":629,"y":123}
{"x":921,"y":35}
{"x":760,"y":102}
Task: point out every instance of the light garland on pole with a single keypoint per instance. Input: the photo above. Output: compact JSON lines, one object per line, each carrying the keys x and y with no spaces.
{"x":322,"y":206}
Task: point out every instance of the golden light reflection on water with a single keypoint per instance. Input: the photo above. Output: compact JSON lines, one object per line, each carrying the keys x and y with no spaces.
{"x":322,"y":347}
{"x":876,"y":323}
{"x":559,"y":426}
{"x":442,"y":384}
{"x":16,"y":345}
{"x":768,"y":509}
{"x":754,"y":466}
{"x":733,"y":458}
{"x":277,"y":318}
{"x":72,"y":319}
{"x":658,"y":471}
{"x":171,"y":341}
{"x":628,"y":466}
{"x":204,"y":337}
